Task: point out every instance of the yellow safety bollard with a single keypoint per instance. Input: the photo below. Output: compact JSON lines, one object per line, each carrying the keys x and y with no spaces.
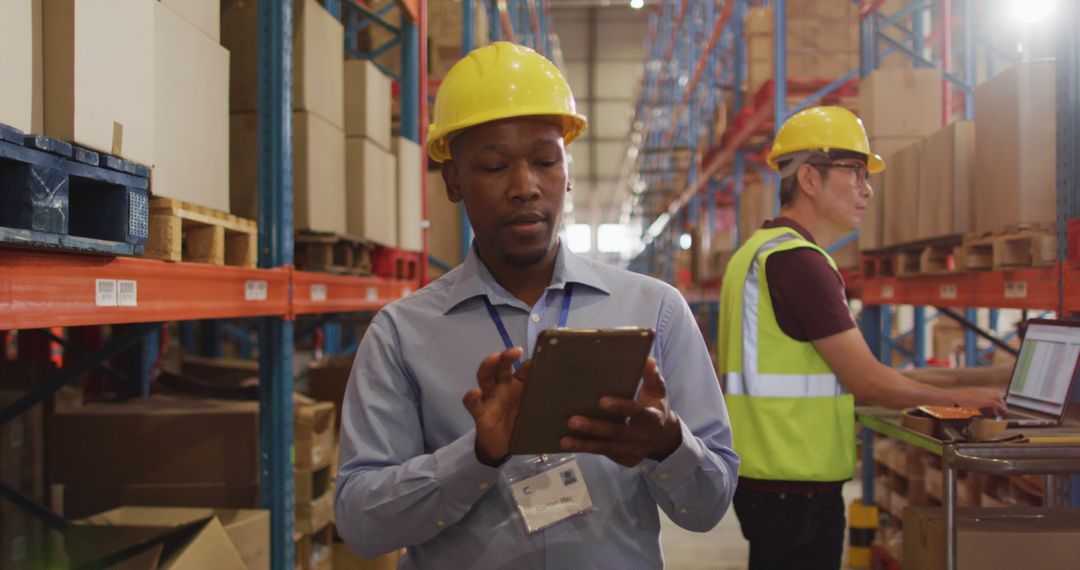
{"x":862,"y":522}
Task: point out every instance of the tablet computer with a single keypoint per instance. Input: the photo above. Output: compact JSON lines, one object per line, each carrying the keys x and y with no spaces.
{"x":571,"y":370}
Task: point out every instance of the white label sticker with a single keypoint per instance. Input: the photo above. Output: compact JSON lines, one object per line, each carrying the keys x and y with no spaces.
{"x":316,"y":454}
{"x":887,"y":291}
{"x":372,"y":294}
{"x":405,"y":291}
{"x":318,"y":292}
{"x":105,"y":290}
{"x":947,"y":291}
{"x":255,"y":290}
{"x":127,"y":293}
{"x":1016,"y":290}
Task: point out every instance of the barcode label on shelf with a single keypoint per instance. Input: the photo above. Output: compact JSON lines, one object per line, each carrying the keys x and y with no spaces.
{"x":372,"y":294}
{"x":318,"y":292}
{"x":1016,"y":290}
{"x":255,"y":290}
{"x":105,"y":292}
{"x":947,"y":291}
{"x":887,"y":291}
{"x":127,"y":293}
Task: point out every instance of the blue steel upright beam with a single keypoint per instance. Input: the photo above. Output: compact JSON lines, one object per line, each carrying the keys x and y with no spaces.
{"x":467,"y":45}
{"x":919,"y":336}
{"x":276,"y":249}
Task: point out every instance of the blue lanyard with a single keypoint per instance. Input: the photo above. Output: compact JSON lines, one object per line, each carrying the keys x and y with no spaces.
{"x":564,"y":314}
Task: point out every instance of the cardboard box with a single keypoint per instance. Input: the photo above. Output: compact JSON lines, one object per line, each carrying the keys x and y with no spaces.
{"x":871,"y":232}
{"x":345,"y":559}
{"x":318,"y":171}
{"x":993,"y":539}
{"x":314,"y":434}
{"x":37,"y":117}
{"x":318,"y":53}
{"x":411,"y":162}
{"x":757,"y":204}
{"x":315,"y":514}
{"x":84,"y":500}
{"x":847,"y":256}
{"x":371,"y":180}
{"x":901,"y":196}
{"x":946,"y":181}
{"x":203,"y":14}
{"x":1016,"y":147}
{"x":315,"y":550}
{"x":191,"y":135}
{"x":901,"y":102}
{"x":99,"y":75}
{"x":17,"y":64}
{"x":178,"y":539}
{"x":367,"y":102}
{"x":164,"y":440}
{"x":444,"y":222}
{"x":327,"y":380}
{"x":22,"y":449}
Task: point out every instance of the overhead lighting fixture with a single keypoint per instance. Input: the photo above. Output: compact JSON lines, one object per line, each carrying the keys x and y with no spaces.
{"x":637,"y":4}
{"x":1032,"y":11}
{"x":685,"y":241}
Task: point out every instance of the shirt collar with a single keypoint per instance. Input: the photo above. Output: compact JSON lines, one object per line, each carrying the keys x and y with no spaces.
{"x":475,"y":280}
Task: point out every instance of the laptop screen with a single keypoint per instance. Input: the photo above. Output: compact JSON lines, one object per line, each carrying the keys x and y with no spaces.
{"x":1045,"y":368}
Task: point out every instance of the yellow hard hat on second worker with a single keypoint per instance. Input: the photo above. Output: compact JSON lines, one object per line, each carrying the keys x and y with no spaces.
{"x":827,"y":129}
{"x":500,"y":81}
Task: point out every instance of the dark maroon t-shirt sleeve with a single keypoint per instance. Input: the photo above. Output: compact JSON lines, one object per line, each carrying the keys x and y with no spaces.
{"x":807,"y":295}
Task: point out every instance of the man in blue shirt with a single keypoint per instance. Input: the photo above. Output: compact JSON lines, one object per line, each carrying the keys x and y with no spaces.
{"x":422,"y":471}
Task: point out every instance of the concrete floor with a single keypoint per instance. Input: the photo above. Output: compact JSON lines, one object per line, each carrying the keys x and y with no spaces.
{"x":722,"y":548}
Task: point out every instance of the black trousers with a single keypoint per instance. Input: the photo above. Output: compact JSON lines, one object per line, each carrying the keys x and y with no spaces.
{"x":792,"y":531}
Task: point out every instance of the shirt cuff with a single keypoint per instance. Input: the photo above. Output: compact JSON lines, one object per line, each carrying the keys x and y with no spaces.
{"x":461,"y":475}
{"x":678,"y":467}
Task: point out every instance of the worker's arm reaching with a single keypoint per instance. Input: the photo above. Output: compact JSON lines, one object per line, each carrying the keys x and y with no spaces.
{"x":871,"y":382}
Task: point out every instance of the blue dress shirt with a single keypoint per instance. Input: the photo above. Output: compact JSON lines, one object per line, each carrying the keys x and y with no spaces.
{"x":409,"y":476}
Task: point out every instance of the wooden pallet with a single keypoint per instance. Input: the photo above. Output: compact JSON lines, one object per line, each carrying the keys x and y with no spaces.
{"x":180,"y":231}
{"x":1020,"y":245}
{"x":932,"y":256}
{"x":332,"y":253}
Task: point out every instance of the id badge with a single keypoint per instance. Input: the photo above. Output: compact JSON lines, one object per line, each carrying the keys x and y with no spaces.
{"x":548,"y":489}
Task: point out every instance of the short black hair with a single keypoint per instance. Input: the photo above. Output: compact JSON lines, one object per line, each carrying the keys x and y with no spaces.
{"x":789,"y":186}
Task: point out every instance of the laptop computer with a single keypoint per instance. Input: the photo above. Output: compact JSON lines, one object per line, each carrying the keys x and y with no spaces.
{"x":1044,"y":374}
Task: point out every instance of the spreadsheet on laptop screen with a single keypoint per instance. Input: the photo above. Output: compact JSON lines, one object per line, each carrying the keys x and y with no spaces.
{"x":1044,"y":370}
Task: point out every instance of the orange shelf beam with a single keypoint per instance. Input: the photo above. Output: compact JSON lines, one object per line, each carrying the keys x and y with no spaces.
{"x":46,"y":289}
{"x":326,"y":293}
{"x":1034,"y":288}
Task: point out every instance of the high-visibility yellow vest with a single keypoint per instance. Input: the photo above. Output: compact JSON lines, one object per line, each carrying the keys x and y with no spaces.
{"x":791,"y":419}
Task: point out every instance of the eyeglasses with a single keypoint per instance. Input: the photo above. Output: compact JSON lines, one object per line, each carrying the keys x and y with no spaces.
{"x":861,"y":173}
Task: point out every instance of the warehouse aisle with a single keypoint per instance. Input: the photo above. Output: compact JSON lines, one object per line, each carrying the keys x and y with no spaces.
{"x":722,"y":548}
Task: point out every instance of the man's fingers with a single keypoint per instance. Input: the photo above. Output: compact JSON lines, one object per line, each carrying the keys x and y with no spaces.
{"x":596,"y":428}
{"x":472,"y":401}
{"x":523,"y":371}
{"x":504,"y":369}
{"x":652,"y":382}
{"x":485,"y":373}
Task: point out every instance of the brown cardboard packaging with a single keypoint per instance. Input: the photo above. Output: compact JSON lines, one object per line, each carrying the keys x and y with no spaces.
{"x":367,"y":102}
{"x":847,"y":256}
{"x":410,"y":161}
{"x":945,"y":181}
{"x":901,"y":196}
{"x":315,"y":514}
{"x":989,"y":540}
{"x":345,"y":559}
{"x":901,"y":102}
{"x":871,"y":232}
{"x":318,"y":53}
{"x":445,"y":226}
{"x":191,"y":110}
{"x":1016,"y":147}
{"x":205,"y":15}
{"x":84,"y":500}
{"x":99,"y":75}
{"x":757,"y":204}
{"x":314,"y":434}
{"x":17,"y":64}
{"x":318,"y":171}
{"x":327,"y":380}
{"x":156,"y":440}
{"x":182,"y":539}
{"x":371,"y":196}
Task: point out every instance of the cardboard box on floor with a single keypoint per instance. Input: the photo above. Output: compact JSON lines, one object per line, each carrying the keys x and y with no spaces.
{"x":81,"y":500}
{"x":205,"y":15}
{"x":987,"y":539}
{"x":371,"y":192}
{"x":411,"y":161}
{"x":901,"y":196}
{"x":99,"y":75}
{"x":946,"y":179}
{"x":1016,"y":147}
{"x":17,"y":64}
{"x":901,"y":102}
{"x":191,"y":110}
{"x":318,"y":56}
{"x":367,"y":102}
{"x":318,"y":171}
{"x":156,"y":440}
{"x":176,"y":538}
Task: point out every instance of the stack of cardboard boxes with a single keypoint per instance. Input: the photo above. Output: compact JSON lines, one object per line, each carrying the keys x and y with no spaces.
{"x":372,"y":172}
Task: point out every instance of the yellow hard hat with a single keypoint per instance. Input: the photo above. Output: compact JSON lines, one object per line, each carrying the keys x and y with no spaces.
{"x":827,"y":129}
{"x":500,"y":81}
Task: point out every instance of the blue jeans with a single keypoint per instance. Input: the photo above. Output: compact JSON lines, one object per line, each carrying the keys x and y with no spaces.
{"x":792,"y":531}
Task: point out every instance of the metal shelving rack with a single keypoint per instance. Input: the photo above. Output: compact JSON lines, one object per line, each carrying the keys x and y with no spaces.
{"x":40,"y":289}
